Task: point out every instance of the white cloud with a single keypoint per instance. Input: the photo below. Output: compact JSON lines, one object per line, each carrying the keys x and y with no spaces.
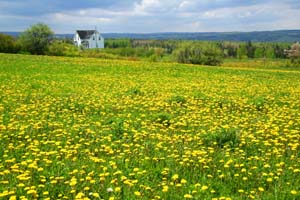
{"x":159,"y":16}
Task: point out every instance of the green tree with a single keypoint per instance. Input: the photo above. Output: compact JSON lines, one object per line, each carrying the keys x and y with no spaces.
{"x":242,"y":52}
{"x":8,"y":44}
{"x":250,"y":49}
{"x":118,"y":43}
{"x":270,"y":53}
{"x":279,"y":51}
{"x":259,"y":52}
{"x":36,"y":39}
{"x":206,"y":54}
{"x":229,"y":49}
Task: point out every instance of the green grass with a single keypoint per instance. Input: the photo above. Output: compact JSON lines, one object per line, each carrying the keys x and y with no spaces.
{"x":106,"y":129}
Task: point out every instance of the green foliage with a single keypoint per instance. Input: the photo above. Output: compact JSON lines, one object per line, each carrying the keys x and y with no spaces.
{"x":8,"y":44}
{"x":59,"y":48}
{"x":36,"y":39}
{"x":242,"y":52}
{"x":259,"y":53}
{"x":293,"y":63}
{"x":270,"y":53}
{"x":95,"y":53}
{"x":138,"y":52}
{"x":229,"y":49}
{"x":222,"y":138}
{"x":250,"y":50}
{"x":163,"y":118}
{"x":177,"y":99}
{"x":279,"y":50}
{"x":208,"y":54}
{"x":117,"y":43}
{"x":167,"y":45}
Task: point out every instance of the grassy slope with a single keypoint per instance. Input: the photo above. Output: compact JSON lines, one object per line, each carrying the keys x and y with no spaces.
{"x":74,"y":126}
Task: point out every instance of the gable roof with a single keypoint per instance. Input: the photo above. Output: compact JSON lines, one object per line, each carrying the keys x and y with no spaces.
{"x":85,"y":34}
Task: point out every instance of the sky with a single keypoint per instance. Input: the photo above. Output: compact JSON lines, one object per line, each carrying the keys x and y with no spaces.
{"x":151,"y":16}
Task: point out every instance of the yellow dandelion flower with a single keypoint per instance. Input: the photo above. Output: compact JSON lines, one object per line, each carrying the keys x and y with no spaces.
{"x":165,"y":188}
{"x":175,"y":177}
{"x":183,"y":181}
{"x":137,"y":193}
{"x":12,"y":197}
{"x":117,"y":189}
{"x":204,"y":187}
{"x":79,"y":195}
{"x":294,"y":192}
{"x":188,"y":196}
{"x":95,"y":194}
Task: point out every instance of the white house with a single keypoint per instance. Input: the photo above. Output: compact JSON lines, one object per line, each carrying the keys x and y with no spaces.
{"x":89,"y":39}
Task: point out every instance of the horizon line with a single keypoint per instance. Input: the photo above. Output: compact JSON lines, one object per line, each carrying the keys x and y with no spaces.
{"x":145,"y":33}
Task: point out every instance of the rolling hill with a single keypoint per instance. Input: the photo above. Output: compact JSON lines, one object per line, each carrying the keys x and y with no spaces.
{"x":257,"y":36}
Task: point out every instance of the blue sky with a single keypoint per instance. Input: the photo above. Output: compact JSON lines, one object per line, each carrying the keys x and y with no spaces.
{"x":148,"y":16}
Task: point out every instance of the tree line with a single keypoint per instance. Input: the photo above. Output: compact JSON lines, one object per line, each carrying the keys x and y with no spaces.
{"x":40,"y":39}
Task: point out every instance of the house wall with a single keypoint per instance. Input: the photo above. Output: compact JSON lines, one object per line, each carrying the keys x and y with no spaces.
{"x":77,"y":40}
{"x":96,"y":41}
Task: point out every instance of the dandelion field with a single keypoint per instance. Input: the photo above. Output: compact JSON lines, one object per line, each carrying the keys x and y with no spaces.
{"x":77,"y":128}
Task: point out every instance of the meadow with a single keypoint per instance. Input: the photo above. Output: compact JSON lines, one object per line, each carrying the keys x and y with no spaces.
{"x":84,"y":128}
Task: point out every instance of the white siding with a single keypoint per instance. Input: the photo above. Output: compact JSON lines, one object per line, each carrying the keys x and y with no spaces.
{"x":95,"y":41}
{"x":77,"y":40}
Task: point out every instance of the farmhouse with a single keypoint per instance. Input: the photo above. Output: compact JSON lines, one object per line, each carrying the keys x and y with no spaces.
{"x":89,"y":39}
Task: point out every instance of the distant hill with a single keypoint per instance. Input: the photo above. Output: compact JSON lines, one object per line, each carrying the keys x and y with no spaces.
{"x":257,"y":36}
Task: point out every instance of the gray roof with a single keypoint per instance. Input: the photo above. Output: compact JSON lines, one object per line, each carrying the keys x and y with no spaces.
{"x":85,"y":34}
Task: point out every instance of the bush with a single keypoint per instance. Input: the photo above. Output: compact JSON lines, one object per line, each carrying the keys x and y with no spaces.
{"x":59,"y":48}
{"x":8,"y":44}
{"x":130,"y":52}
{"x":197,"y":54}
{"x":91,"y":53}
{"x":293,"y":63}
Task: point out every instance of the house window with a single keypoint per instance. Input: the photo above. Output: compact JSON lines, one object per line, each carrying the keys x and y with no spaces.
{"x":93,"y":37}
{"x":99,"y":38}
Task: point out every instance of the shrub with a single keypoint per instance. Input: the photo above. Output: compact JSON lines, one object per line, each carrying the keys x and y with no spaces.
{"x":91,"y":53}
{"x":59,"y":48}
{"x":8,"y":44}
{"x":197,"y":54}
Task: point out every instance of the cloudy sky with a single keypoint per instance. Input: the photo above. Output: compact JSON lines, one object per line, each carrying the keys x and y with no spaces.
{"x":148,"y":16}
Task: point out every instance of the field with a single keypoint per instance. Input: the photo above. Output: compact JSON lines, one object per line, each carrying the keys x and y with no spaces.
{"x":79,"y":128}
